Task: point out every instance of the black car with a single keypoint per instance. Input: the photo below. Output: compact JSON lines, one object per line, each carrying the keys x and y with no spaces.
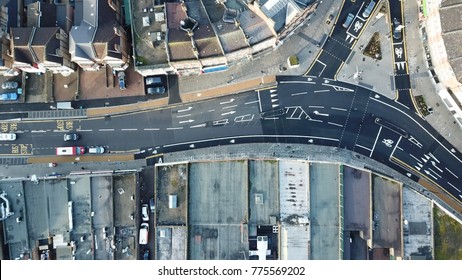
{"x":71,"y":137}
{"x":146,"y":255}
{"x":156,"y":90}
{"x":396,"y":29}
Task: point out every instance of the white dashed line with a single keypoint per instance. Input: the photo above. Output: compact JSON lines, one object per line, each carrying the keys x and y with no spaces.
{"x":451,"y":173}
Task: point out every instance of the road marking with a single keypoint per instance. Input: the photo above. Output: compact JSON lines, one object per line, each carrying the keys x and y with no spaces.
{"x":129,"y":129}
{"x":336,"y":124}
{"x":313,"y":120}
{"x":188,"y":121}
{"x":365,"y":148}
{"x":212,"y":110}
{"x":451,"y":173}
{"x":151,"y":129}
{"x":414,"y":141}
{"x":320,"y":114}
{"x":399,"y":148}
{"x":229,"y":107}
{"x":259,"y":100}
{"x":226,"y":102}
{"x":184,"y":116}
{"x":436,"y":173}
{"x":375,"y":142}
{"x":228,"y":113}
{"x":453,"y":186}
{"x":221,"y":122}
{"x":316,"y":107}
{"x":297,"y":82}
{"x":198,"y":125}
{"x":415,"y":158}
{"x":185,"y":110}
{"x":423,"y":128}
{"x":251,"y":102}
{"x":37,"y":131}
{"x":434,"y":165}
{"x":84,"y":130}
{"x":396,"y":145}
{"x":338,"y":109}
{"x":322,"y":90}
{"x":106,"y":129}
{"x":432,"y":156}
{"x":244,"y":118}
{"x":174,"y":128}
{"x":299,"y":93}
{"x":253,"y":136}
{"x":428,"y":173}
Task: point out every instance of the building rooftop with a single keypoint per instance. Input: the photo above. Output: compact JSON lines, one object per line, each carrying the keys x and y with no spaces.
{"x":451,"y":25}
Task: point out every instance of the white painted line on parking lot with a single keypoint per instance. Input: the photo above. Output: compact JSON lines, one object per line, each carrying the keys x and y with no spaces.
{"x":129,"y":129}
{"x":365,"y":148}
{"x":322,"y":90}
{"x":251,"y":102}
{"x":151,"y":129}
{"x":184,"y":116}
{"x":38,"y":131}
{"x":415,"y":158}
{"x":338,"y":109}
{"x":375,"y":142}
{"x":174,"y":128}
{"x":299,"y":93}
{"x":322,"y":107}
{"x":336,"y":124}
{"x":453,"y":186}
{"x":451,"y":173}
{"x":106,"y":129}
{"x":228,"y":107}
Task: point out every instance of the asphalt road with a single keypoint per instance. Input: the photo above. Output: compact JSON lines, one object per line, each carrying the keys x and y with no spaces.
{"x":305,"y":110}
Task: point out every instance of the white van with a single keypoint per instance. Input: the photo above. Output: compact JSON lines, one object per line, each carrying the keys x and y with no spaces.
{"x":144,"y":232}
{"x":7,"y":136}
{"x":368,"y":10}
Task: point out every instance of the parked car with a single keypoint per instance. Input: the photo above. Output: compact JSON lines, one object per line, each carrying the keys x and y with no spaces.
{"x":9,"y":96}
{"x":96,"y":150}
{"x":396,"y":29}
{"x":121,"y":76}
{"x":156,"y":90}
{"x":71,"y":137}
{"x":348,"y":20}
{"x":329,"y":19}
{"x":153,"y":80}
{"x":152,"y":204}
{"x":145,"y":212}
{"x":10,"y":85}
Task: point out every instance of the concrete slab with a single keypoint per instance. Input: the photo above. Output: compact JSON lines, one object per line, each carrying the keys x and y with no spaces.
{"x":58,"y":213}
{"x":171,"y":243}
{"x":325,"y":212}
{"x":387,"y":199}
{"x":293,"y":188}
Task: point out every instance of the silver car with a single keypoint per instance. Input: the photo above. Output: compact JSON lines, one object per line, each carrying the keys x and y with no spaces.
{"x":96,"y":150}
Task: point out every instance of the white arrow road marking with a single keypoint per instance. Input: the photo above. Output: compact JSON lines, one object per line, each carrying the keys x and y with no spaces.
{"x":416,"y":167}
{"x":185,"y":110}
{"x":188,"y":121}
{"x":273,"y":90}
{"x":320,"y":114}
{"x":451,"y":173}
{"x":428,"y":173}
{"x":226,"y":102}
{"x":409,"y":175}
{"x":430,"y":154}
{"x":232,"y":141}
{"x":434,"y":165}
{"x":228,"y":113}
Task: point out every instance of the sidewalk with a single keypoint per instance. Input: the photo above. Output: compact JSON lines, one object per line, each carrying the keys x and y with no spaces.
{"x":421,"y":81}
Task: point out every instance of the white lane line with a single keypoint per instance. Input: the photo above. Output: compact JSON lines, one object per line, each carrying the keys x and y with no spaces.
{"x":436,"y":173}
{"x":228,"y":107}
{"x":228,"y":113}
{"x":184,"y":116}
{"x":375,"y":142}
{"x":251,"y":102}
{"x":313,"y":120}
{"x":299,"y":93}
{"x":254,"y":136}
{"x":322,"y":90}
{"x":423,"y":128}
{"x":428,"y":173}
{"x":129,"y":129}
{"x":451,"y":173}
{"x":198,"y":125}
{"x":212,"y":110}
{"x":151,"y":129}
{"x":321,"y":107}
{"x":84,"y":130}
{"x":394,"y":149}
{"x":336,"y":124}
{"x":365,"y":148}
{"x":338,"y":109}
{"x":434,"y":165}
{"x":298,"y":82}
{"x":174,"y":128}
{"x":106,"y":129}
{"x":415,"y":158}
{"x":399,"y":148}
{"x":259,"y":100}
{"x":432,"y":156}
{"x":453,"y":186}
{"x":37,"y":131}
{"x":188,"y":121}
